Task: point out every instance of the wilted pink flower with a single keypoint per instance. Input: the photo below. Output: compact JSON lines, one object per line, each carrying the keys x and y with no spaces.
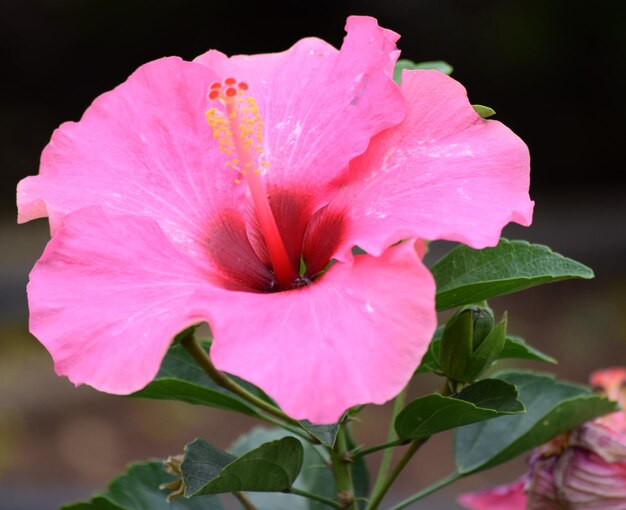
{"x":161,"y":220}
{"x":582,"y":470}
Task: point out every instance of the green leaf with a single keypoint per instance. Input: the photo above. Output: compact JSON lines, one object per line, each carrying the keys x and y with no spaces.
{"x":467,"y":276}
{"x":405,"y":63}
{"x":315,"y":475}
{"x":435,"y":413}
{"x":138,"y":489}
{"x":325,"y":434}
{"x":484,"y":111}
{"x":553,"y":407}
{"x":97,"y":503}
{"x":517,"y":348}
{"x":271,"y":467}
{"x":181,"y":378}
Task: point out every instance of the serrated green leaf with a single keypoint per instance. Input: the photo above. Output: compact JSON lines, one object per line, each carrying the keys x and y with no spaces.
{"x":405,"y":63}
{"x":271,"y":467}
{"x":467,"y":276}
{"x":484,"y":111}
{"x":435,"y":413}
{"x":553,"y":407}
{"x":181,"y":378}
{"x":138,"y":489}
{"x":516,"y":348}
{"x":315,"y":475}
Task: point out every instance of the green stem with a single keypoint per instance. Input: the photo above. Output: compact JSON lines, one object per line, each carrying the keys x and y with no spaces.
{"x":340,"y":457}
{"x":383,"y":484}
{"x":243,"y":499}
{"x":315,"y":497}
{"x":378,"y":496}
{"x":440,"y":484}
{"x":296,"y":431}
{"x":202,"y":358}
{"x":357,"y":454}
{"x":391,"y":436}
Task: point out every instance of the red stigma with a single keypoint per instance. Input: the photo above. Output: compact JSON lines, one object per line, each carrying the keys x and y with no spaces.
{"x":227,"y":89}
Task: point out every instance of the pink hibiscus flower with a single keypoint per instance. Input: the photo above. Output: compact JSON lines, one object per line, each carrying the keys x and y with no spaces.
{"x":161,"y":220}
{"x":582,"y":470}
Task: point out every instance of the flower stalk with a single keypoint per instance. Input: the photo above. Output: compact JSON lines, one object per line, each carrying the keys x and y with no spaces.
{"x":439,"y":484}
{"x":341,"y":460}
{"x":193,"y":347}
{"x":314,"y":497}
{"x":243,"y":499}
{"x":398,"y":404}
{"x":384,"y":483}
{"x":378,"y":496}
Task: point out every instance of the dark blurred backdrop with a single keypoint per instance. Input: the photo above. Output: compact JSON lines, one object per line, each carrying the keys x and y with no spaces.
{"x":555,"y":72}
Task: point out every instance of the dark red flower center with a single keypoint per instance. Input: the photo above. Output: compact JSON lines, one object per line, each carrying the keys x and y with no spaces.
{"x":238,"y":249}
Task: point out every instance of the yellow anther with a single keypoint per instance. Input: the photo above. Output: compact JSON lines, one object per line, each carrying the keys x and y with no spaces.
{"x":238,"y":128}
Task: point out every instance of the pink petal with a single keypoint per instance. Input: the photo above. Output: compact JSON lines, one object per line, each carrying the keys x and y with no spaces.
{"x":320,"y":106}
{"x":612,"y":382}
{"x":355,"y":336}
{"x":503,"y":497}
{"x":108,"y":296}
{"x":443,"y":173}
{"x":143,"y":148}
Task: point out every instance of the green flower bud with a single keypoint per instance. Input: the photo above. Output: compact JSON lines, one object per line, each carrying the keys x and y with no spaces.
{"x":482,"y":321}
{"x":470,"y":343}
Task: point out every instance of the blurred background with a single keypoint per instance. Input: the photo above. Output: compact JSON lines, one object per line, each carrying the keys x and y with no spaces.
{"x":555,"y":72}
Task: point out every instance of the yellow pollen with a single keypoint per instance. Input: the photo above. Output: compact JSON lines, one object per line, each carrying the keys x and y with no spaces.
{"x":238,"y":127}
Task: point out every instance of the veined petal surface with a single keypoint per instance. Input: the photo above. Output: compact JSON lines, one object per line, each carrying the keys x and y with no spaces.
{"x":108,"y":296}
{"x":443,"y":173}
{"x":143,"y":148}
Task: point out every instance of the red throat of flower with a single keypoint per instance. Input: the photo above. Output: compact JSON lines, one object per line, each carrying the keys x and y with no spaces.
{"x":239,"y":131}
